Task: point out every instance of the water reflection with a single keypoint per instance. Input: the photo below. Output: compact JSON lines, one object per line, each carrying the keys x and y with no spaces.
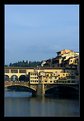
{"x":27,"y":106}
{"x":17,"y":94}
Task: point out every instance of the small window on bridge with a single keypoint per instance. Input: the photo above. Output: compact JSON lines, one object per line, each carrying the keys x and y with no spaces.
{"x":45,"y":81}
{"x":73,"y":81}
{"x":73,"y":77}
{"x":22,"y":71}
{"x":68,"y":77}
{"x":14,"y":71}
{"x":6,"y":71}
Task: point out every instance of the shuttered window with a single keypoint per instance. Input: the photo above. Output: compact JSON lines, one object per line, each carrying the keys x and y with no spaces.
{"x":6,"y":70}
{"x":22,"y":71}
{"x":14,"y":71}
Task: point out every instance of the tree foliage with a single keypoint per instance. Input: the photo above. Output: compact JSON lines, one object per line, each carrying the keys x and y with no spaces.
{"x":25,"y":64}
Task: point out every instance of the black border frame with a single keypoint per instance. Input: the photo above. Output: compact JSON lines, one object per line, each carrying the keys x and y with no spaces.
{"x":2,"y":11}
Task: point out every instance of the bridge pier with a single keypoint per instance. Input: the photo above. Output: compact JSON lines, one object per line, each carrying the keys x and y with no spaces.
{"x":40,"y":90}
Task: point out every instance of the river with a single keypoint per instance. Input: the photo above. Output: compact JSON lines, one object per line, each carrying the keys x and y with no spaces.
{"x":22,"y":104}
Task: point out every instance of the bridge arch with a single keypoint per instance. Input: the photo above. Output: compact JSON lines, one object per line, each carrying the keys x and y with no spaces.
{"x":14,"y":78}
{"x":63,"y":90}
{"x":18,"y":87}
{"x":6,"y":78}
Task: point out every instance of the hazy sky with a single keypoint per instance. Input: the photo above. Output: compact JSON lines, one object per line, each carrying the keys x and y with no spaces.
{"x":37,"y":32}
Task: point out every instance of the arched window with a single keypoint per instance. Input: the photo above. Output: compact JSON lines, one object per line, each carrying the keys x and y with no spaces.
{"x":14,"y":78}
{"x":6,"y":78}
{"x":24,"y":78}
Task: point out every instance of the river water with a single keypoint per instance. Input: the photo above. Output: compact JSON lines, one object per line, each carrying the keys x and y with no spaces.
{"x":22,"y":104}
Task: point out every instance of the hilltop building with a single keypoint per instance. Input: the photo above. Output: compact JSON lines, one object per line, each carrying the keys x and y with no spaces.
{"x":65,"y":58}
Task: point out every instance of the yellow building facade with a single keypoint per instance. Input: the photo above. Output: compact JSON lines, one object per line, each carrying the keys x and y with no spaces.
{"x":51,"y":75}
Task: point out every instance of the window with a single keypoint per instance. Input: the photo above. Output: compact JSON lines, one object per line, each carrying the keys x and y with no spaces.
{"x":68,"y":77}
{"x":14,"y":78}
{"x":14,"y":71}
{"x":73,"y":77}
{"x":22,"y":71}
{"x":73,"y":81}
{"x":6,"y":71}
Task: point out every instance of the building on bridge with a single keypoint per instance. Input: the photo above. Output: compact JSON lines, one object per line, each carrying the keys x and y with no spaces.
{"x":32,"y":74}
{"x":39,"y":79}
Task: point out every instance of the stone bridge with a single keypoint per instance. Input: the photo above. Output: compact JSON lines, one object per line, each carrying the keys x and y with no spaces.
{"x":40,"y":80}
{"x":40,"y":89}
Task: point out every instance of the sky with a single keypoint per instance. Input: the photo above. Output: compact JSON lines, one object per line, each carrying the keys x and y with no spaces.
{"x":37,"y":32}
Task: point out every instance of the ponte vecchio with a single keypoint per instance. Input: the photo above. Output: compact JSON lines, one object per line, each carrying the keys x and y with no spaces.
{"x":40,"y":79}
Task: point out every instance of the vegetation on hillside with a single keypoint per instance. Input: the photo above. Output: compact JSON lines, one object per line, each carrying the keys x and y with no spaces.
{"x":25,"y":64}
